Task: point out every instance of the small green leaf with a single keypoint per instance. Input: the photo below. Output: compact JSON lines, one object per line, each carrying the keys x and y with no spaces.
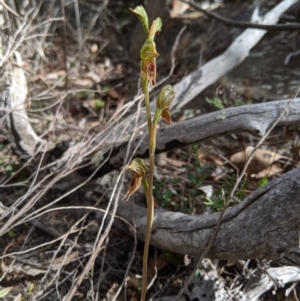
{"x":105,"y":88}
{"x":240,"y":102}
{"x":187,"y":166}
{"x":31,"y":288}
{"x":140,"y":12}
{"x":8,"y":167}
{"x":216,"y":102}
{"x":217,"y":204}
{"x":173,"y":181}
{"x":191,"y":177}
{"x":167,"y":195}
{"x":5,"y":291}
{"x":11,"y":234}
{"x":82,"y":94}
{"x":263,"y":182}
{"x":198,"y":273}
{"x":29,"y":291}
{"x":222,"y":116}
{"x":1,"y":146}
{"x":97,"y":158}
{"x":195,"y":148}
{"x":99,"y":103}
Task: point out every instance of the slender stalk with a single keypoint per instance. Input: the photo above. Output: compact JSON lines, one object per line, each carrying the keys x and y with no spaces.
{"x":150,"y":202}
{"x":150,"y":215}
{"x":147,"y":103}
{"x":148,"y":55}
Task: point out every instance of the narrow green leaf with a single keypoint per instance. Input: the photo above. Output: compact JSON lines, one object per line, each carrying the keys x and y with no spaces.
{"x":11,"y":234}
{"x":140,"y":12}
{"x":99,"y":103}
{"x":5,"y":291}
{"x":263,"y":182}
{"x":217,"y":102}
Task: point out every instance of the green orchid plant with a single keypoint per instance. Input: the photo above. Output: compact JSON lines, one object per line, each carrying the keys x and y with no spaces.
{"x":140,"y":174}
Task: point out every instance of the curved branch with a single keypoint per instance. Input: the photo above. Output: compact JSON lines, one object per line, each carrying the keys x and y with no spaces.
{"x":239,"y":49}
{"x":14,"y":97}
{"x":264,"y":226}
{"x":255,"y":119}
{"x":226,"y":21}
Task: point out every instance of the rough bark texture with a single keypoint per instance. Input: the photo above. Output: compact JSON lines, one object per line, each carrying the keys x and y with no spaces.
{"x":254,"y":119}
{"x":265,"y":225}
{"x":20,"y":132}
{"x":13,"y":96}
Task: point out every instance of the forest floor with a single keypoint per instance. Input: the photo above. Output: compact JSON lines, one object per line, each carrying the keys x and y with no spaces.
{"x":75,"y":88}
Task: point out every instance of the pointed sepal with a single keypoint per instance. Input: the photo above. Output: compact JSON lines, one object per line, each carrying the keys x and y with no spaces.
{"x":138,"y":169}
{"x":155,"y":28}
{"x":148,"y":51}
{"x":140,"y":12}
{"x":134,"y":185}
{"x":166,"y":116}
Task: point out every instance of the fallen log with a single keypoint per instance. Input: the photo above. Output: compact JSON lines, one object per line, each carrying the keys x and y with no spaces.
{"x":264,"y":226}
{"x":254,"y":119}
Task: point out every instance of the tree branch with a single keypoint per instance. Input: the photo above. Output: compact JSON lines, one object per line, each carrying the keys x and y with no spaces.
{"x":254,"y":119}
{"x":264,"y":226}
{"x":226,"y":21}
{"x":239,"y":49}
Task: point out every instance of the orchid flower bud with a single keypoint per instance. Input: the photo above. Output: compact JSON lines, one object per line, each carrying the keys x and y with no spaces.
{"x":163,"y":101}
{"x":148,"y":51}
{"x":138,"y":167}
{"x":148,"y":71}
{"x":165,"y":97}
{"x":139,"y":170}
{"x":148,"y":64}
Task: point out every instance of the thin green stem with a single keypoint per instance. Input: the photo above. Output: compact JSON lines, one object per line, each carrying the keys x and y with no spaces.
{"x":156,"y":118}
{"x":150,"y":216}
{"x":150,"y":205}
{"x":149,"y":196}
{"x":147,"y":102}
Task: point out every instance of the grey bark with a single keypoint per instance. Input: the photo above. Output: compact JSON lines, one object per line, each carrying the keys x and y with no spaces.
{"x":260,"y":282}
{"x":13,"y":94}
{"x":254,"y":119}
{"x":265,"y":225}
